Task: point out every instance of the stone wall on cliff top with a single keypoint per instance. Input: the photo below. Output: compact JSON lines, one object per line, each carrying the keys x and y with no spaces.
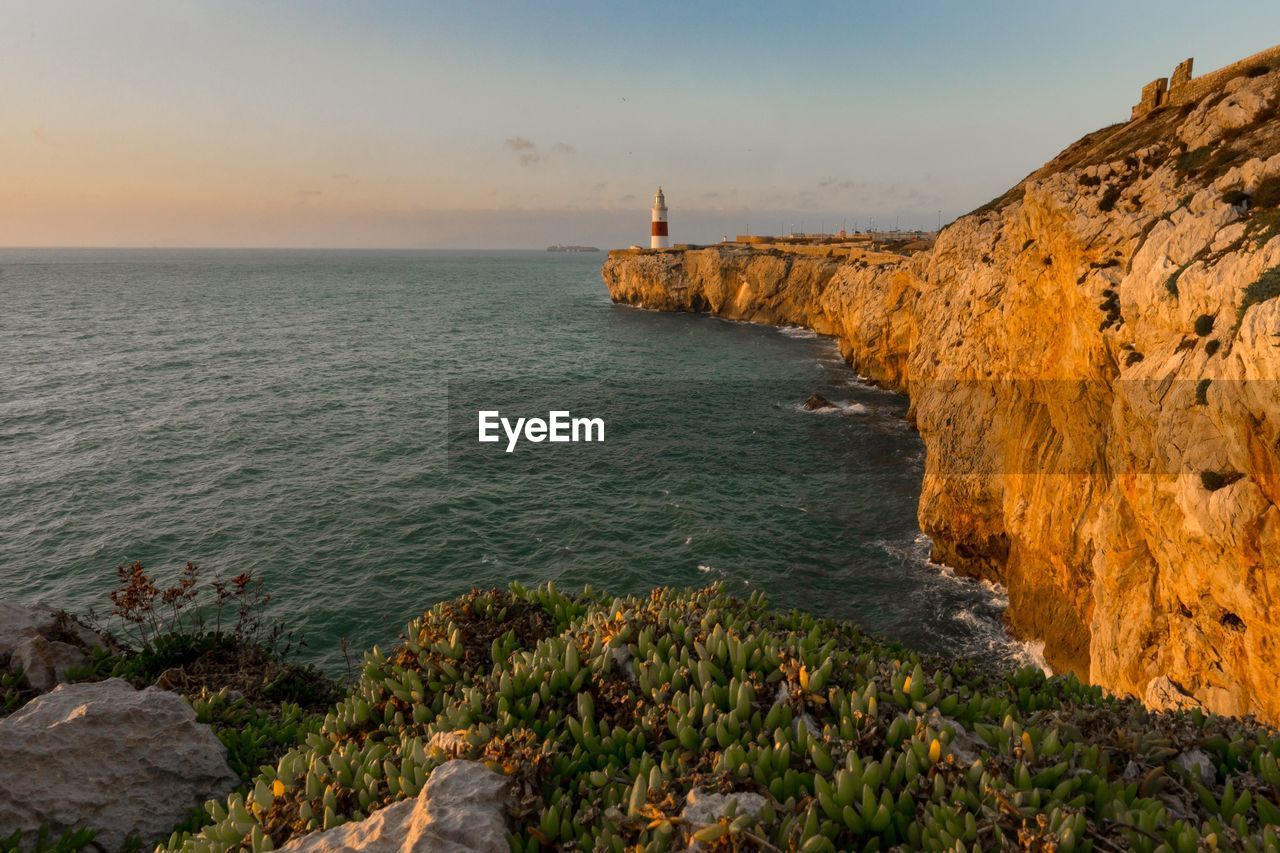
{"x":1092,"y":361}
{"x":1183,"y":87}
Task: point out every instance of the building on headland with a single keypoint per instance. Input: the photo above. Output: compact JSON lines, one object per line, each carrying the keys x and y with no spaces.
{"x":1182,"y":88}
{"x":658,"y":238}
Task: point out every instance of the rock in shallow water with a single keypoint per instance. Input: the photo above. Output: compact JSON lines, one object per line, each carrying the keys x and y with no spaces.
{"x":818,"y":403}
{"x":107,"y":757}
{"x":461,"y":808}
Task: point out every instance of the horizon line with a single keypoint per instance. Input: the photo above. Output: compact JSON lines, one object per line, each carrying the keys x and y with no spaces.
{"x":133,"y":247}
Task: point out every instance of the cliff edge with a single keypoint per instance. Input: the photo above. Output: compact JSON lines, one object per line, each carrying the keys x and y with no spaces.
{"x":1092,"y":361}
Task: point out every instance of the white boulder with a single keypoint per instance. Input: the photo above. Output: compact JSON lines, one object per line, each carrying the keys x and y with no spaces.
{"x":461,"y":809}
{"x":703,"y":808}
{"x":107,"y":757}
{"x":1197,"y":761}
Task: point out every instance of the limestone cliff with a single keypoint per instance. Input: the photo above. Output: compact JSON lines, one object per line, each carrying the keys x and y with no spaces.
{"x":1091,"y":361}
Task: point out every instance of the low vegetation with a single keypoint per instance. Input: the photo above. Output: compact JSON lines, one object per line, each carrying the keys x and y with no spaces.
{"x":607,"y":712}
{"x":209,"y":641}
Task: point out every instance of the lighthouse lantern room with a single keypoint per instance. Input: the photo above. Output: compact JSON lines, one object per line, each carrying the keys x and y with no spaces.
{"x":659,"y":240}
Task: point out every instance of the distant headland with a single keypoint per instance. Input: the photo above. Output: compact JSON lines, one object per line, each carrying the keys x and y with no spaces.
{"x":559,"y":248}
{"x":1091,"y":360}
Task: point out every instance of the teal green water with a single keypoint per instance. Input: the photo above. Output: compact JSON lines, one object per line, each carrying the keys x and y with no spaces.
{"x":311,"y":416}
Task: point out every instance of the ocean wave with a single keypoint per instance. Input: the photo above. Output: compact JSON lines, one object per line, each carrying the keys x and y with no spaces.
{"x":298,"y":457}
{"x":799,"y":332}
{"x":980,"y":617}
{"x":839,"y":407}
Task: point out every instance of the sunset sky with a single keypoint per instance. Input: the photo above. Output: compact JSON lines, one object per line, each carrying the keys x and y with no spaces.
{"x":495,"y":125}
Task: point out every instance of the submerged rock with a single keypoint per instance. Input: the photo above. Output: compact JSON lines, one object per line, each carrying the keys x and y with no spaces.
{"x":461,"y":808}
{"x":104,"y":756}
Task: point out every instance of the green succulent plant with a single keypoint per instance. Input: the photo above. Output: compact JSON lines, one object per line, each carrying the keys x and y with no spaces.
{"x":607,"y":712}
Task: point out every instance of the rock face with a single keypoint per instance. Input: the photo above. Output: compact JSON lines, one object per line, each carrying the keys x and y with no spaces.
{"x":107,"y":757}
{"x":1092,"y":361}
{"x":1163,"y":695}
{"x":461,"y":808}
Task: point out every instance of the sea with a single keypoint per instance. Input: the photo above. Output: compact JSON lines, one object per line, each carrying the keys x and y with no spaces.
{"x":311,"y":417}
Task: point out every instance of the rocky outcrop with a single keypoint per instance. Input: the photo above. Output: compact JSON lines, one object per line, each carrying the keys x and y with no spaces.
{"x":20,"y":622}
{"x":45,"y":663}
{"x":461,"y":808}
{"x":104,"y":756}
{"x":1092,"y":362}
{"x":761,"y":287}
{"x":43,"y":643}
{"x":817,"y":403}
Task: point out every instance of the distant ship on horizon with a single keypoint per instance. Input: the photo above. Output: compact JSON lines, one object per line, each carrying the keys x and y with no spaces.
{"x":559,"y":248}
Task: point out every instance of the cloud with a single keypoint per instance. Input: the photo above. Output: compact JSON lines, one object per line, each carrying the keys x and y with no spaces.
{"x":307,"y":194}
{"x":836,"y":186}
{"x":40,"y":136}
{"x":526,"y":150}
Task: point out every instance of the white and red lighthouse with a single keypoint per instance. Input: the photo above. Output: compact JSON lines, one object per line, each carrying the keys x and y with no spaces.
{"x":658,"y":238}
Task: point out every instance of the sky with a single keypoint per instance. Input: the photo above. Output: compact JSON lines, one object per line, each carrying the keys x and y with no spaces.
{"x":519,"y":124}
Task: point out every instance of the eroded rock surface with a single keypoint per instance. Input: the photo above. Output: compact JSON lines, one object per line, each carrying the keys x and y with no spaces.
{"x":43,"y":643}
{"x":1092,"y":361}
{"x":461,"y":808}
{"x":20,"y":622}
{"x":45,"y":663}
{"x":104,"y":756}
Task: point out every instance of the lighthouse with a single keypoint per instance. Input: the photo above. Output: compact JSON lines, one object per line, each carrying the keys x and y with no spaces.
{"x":659,"y":240}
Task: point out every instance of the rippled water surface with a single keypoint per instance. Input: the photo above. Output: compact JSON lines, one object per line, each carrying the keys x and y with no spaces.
{"x":310,"y":416}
